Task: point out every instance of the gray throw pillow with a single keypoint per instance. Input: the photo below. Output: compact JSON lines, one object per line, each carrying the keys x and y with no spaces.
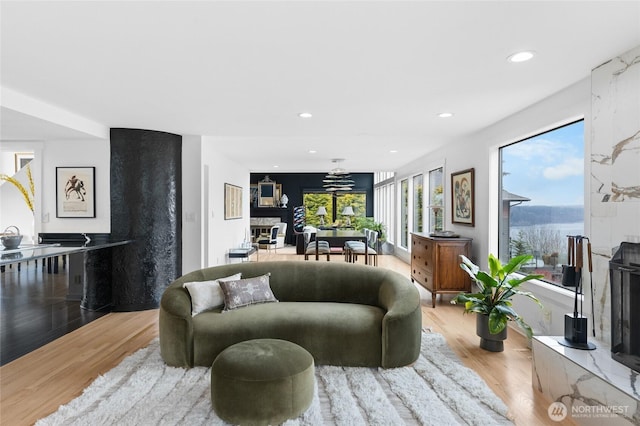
{"x":249,"y":291}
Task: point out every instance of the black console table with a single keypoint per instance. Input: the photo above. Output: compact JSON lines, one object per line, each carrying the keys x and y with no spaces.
{"x":89,"y":264}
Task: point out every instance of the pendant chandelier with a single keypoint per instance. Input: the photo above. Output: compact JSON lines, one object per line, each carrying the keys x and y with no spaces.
{"x":338,"y":179}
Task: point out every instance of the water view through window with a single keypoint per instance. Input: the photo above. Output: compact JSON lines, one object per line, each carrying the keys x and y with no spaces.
{"x":542,"y":198}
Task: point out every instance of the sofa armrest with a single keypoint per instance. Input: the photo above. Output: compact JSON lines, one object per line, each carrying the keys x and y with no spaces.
{"x":176,"y":327}
{"x":176,"y":301}
{"x":402,"y":324}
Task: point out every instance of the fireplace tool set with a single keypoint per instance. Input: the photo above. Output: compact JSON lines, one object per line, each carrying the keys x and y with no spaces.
{"x":575,"y":325}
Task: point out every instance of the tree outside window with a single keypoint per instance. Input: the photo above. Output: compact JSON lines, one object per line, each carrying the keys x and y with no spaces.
{"x":418,"y":210}
{"x":334,"y":205}
{"x":358,"y":201}
{"x":312,"y":201}
{"x":404,"y":213}
{"x":436,"y":200}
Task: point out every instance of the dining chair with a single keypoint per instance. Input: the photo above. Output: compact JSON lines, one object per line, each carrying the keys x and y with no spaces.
{"x":271,"y":240}
{"x":310,"y":244}
{"x":372,"y":242}
{"x":351,"y":245}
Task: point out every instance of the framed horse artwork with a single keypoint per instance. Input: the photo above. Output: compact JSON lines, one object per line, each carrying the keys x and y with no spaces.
{"x":75,"y":192}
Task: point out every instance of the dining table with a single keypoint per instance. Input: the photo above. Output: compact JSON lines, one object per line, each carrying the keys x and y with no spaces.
{"x":337,"y":238}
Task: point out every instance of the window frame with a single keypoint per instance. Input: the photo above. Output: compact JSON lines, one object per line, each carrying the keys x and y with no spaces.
{"x":496,"y":198}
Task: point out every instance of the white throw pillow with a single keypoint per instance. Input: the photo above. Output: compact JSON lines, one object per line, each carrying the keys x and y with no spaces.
{"x":207,"y":295}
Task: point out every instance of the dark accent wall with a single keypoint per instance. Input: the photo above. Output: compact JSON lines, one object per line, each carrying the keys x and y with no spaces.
{"x":146,"y":206}
{"x":295,"y":184}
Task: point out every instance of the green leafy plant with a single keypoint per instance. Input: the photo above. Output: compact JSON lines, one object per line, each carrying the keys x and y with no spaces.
{"x":370,"y":223}
{"x":497,"y":287}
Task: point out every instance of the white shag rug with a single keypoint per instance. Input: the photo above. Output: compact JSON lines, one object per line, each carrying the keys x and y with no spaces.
{"x":436,"y":390}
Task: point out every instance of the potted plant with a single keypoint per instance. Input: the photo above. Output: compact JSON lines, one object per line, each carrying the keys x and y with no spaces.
{"x":493,"y":301}
{"x":370,"y":223}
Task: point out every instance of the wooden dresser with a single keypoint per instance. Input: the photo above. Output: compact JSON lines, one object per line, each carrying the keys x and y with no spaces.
{"x":435,"y":264}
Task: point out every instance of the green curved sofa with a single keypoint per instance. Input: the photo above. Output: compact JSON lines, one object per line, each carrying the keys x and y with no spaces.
{"x":343,"y":314}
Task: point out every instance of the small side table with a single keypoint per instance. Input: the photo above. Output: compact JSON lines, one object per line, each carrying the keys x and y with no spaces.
{"x":243,"y":253}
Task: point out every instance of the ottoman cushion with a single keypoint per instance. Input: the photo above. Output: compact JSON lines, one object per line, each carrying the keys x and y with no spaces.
{"x":262,"y":381}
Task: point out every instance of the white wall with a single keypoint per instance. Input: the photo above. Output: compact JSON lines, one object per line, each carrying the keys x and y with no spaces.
{"x":222,"y":234}
{"x":193,"y":237}
{"x":49,"y":154}
{"x":206,"y":235}
{"x":480,"y":151}
{"x":91,"y":153}
{"x":13,"y":209}
{"x":610,"y":104}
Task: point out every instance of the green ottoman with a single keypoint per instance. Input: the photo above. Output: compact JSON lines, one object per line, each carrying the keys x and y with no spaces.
{"x":261,"y":382}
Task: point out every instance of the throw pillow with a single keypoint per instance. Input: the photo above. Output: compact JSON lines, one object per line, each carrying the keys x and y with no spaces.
{"x":250,"y":291}
{"x":207,"y":295}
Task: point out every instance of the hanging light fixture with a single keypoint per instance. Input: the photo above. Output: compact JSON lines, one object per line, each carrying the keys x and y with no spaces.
{"x":338,"y":179}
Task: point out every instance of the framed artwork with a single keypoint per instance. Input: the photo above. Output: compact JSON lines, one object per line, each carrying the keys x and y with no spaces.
{"x":462,"y":197}
{"x":76,"y":192}
{"x":266,"y":194}
{"x":232,"y":202}
{"x":22,"y":159}
{"x":253,"y":194}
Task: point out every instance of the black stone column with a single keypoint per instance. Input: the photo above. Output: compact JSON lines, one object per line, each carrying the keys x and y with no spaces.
{"x":146,"y":206}
{"x":97,"y":266}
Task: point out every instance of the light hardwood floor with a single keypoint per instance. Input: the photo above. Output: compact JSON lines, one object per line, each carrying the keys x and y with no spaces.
{"x":34,"y":385}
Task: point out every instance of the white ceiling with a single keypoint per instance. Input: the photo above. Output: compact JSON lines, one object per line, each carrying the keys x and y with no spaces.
{"x":374,"y":74}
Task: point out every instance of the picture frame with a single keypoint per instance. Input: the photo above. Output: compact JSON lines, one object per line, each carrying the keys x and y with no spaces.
{"x":463,"y":197}
{"x":22,"y":159}
{"x":232,"y":202}
{"x":253,"y":194}
{"x":276,"y":202}
{"x":266,"y":194}
{"x":75,"y":192}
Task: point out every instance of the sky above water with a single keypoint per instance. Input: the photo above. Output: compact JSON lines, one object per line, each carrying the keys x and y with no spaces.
{"x":548,"y":168}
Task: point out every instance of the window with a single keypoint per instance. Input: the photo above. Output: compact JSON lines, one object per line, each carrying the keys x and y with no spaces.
{"x":404,"y":213}
{"x":418,"y":211}
{"x":357,"y":201}
{"x":334,"y":206}
{"x":384,"y":197}
{"x":314,"y":200}
{"x":436,"y":200}
{"x":542,"y":198}
{"x":380,"y":177}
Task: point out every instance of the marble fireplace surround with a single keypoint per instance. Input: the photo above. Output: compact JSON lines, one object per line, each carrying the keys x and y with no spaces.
{"x":262,"y":225}
{"x":594,"y":388}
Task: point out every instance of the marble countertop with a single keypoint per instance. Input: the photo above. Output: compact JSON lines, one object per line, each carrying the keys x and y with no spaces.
{"x":28,"y":252}
{"x":598,"y":362}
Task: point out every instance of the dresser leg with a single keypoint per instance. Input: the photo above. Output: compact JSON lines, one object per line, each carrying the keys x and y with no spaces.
{"x":433,"y":300}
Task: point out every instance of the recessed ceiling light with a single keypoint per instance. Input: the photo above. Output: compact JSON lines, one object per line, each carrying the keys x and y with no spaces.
{"x":312,"y":151}
{"x":521,"y":56}
{"x":305,"y":115}
{"x":276,"y":166}
{"x":393,"y":151}
{"x":445,"y":114}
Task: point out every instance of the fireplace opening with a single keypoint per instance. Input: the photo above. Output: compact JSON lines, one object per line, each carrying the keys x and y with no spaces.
{"x":624,"y":271}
